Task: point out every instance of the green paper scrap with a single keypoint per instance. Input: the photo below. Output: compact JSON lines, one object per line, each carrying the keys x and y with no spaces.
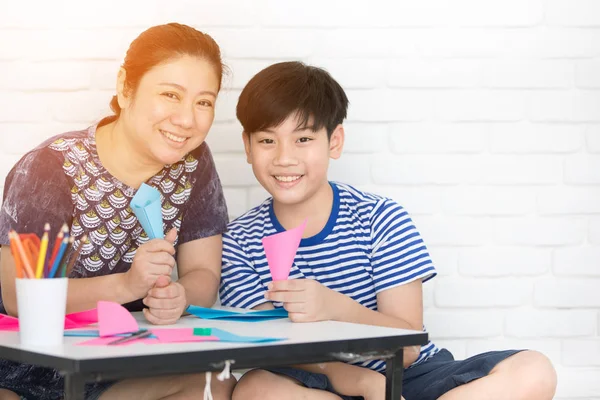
{"x":202,"y":331}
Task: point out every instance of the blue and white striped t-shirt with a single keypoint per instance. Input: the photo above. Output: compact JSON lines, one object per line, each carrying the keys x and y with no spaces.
{"x":368,"y":245}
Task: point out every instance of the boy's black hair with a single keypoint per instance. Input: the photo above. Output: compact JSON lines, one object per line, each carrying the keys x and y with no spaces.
{"x":289,"y":88}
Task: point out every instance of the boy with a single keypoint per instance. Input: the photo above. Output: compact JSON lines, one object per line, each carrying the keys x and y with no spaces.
{"x":360,"y":260}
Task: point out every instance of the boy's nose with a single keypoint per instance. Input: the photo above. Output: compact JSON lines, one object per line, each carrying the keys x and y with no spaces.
{"x":285,"y":156}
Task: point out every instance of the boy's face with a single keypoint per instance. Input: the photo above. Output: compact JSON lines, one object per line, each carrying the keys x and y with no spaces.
{"x":290,"y":162}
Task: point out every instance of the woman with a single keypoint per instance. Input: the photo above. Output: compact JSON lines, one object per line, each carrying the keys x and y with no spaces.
{"x":164,"y":108}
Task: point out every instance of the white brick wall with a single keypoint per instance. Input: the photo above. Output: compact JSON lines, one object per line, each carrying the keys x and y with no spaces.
{"x":482,"y":117}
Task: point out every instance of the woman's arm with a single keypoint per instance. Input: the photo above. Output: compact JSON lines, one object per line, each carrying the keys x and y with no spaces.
{"x":199,"y":269}
{"x":83,"y":294}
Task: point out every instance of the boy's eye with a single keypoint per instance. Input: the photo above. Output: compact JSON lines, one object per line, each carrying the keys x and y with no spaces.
{"x":170,"y":95}
{"x":304,"y":139}
{"x":266,"y":141}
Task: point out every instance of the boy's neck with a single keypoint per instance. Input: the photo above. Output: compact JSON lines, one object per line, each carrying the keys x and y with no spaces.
{"x":316,"y":209}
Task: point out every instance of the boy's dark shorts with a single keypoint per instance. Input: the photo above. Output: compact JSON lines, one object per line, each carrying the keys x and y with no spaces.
{"x":425,"y":381}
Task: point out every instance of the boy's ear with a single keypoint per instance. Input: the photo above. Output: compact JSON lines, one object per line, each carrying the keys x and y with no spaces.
{"x":122,"y":97}
{"x":246,"y":139}
{"x":336,"y":142}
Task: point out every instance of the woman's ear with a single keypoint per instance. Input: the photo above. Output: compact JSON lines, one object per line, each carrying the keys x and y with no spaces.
{"x":122,"y":97}
{"x":336,"y":142}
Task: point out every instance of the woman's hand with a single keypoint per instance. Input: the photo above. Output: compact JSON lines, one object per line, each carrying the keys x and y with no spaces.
{"x":152,"y":260}
{"x":166,"y":302}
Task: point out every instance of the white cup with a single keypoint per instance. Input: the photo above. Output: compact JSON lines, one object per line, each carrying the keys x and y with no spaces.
{"x":42,"y":305}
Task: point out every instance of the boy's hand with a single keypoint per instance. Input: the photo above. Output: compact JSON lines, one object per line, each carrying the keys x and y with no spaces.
{"x":305,"y":300}
{"x":166,"y":302}
{"x":152,"y":260}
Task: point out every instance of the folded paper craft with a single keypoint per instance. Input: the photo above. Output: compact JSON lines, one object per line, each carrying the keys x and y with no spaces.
{"x":146,"y":206}
{"x":280,"y":250}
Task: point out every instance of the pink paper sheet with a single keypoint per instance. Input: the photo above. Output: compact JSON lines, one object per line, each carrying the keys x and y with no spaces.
{"x":281,"y":249}
{"x":80,"y":319}
{"x":113,"y":319}
{"x":104,"y":341}
{"x":73,"y":320}
{"x":8,"y":323}
{"x":180,"y":335}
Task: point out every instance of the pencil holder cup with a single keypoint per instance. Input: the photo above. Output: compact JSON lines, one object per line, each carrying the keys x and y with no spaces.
{"x":42,"y":305}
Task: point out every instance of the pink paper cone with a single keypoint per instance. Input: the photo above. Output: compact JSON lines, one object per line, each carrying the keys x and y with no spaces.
{"x":280,"y":250}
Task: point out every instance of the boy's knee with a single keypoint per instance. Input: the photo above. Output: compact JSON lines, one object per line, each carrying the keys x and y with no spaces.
{"x":542,"y":376}
{"x":533,"y":374}
{"x":257,"y":384}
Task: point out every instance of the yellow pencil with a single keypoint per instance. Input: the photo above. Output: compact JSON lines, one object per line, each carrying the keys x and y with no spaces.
{"x":42,"y":256}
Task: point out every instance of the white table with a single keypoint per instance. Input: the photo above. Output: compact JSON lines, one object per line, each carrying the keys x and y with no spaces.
{"x":306,"y":343}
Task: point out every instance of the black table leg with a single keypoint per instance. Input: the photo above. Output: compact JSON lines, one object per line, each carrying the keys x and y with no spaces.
{"x":393,"y":376}
{"x":74,"y":387}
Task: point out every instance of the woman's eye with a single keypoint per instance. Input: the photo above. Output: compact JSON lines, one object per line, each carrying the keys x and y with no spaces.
{"x":205,"y":103}
{"x":171,"y":95}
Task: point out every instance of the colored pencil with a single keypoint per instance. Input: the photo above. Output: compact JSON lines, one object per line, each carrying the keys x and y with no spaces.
{"x":26,"y":264}
{"x":41,"y":260}
{"x":75,"y":256}
{"x":63,"y":263}
{"x":15,"y":254}
{"x":59,"y":237}
{"x":59,"y":256}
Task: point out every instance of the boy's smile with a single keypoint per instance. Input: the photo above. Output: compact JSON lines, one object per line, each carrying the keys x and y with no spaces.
{"x":291,"y":161}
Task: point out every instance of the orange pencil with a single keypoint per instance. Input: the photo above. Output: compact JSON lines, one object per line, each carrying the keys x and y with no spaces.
{"x":28,"y":270}
{"x":41,"y":260}
{"x":15,"y":254}
{"x":31,"y":248}
{"x":63,"y":231}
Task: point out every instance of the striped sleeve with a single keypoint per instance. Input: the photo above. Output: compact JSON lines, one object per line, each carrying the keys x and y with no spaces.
{"x":398,"y":255}
{"x":240,"y":283}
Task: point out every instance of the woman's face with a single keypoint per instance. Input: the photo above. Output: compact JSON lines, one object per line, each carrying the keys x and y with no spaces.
{"x":172,"y":110}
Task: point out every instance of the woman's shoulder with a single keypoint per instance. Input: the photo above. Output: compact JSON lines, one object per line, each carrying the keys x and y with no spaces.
{"x":48,"y":156}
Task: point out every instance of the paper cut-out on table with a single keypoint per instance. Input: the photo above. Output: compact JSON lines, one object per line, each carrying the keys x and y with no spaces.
{"x":8,"y":323}
{"x":141,"y":334}
{"x":281,"y":249}
{"x":82,"y":318}
{"x":177,"y":335}
{"x":225,"y":336}
{"x":226,"y":315}
{"x":202,"y":331}
{"x":147,"y":207}
{"x":113,"y":319}
{"x":181,"y":335}
{"x":72,"y":321}
{"x":104,"y":341}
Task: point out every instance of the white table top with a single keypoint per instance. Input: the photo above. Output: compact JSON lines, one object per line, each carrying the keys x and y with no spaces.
{"x":296,"y":333}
